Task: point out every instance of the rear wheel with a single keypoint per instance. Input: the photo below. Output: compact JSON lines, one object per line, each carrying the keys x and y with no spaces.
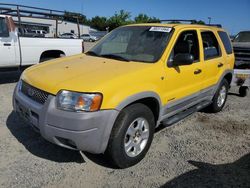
{"x":219,"y":98}
{"x":243,"y":90}
{"x":131,"y":136}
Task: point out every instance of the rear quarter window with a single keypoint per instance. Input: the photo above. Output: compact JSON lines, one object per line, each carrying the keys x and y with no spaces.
{"x":226,"y":42}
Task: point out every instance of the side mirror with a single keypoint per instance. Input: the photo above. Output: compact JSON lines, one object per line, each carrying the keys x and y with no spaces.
{"x":183,"y":59}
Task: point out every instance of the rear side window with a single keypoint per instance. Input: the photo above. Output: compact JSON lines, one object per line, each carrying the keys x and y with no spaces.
{"x":210,"y":45}
{"x":3,"y":28}
{"x":226,"y":42}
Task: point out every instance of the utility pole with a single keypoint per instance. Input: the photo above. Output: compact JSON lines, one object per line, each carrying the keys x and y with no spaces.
{"x":209,"y":20}
{"x":82,"y":14}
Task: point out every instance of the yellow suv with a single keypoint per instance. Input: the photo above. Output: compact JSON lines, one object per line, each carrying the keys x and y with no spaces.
{"x":111,"y":99}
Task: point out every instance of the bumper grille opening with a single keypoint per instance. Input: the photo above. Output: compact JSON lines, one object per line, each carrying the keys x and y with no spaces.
{"x":34,"y":93}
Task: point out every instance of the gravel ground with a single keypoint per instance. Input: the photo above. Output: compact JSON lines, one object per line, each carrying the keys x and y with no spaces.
{"x":203,"y":150}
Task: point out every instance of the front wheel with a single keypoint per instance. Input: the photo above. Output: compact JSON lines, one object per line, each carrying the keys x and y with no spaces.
{"x":219,"y":98}
{"x":131,"y":136}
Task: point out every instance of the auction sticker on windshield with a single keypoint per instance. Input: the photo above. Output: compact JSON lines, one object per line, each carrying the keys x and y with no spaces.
{"x":161,"y":29}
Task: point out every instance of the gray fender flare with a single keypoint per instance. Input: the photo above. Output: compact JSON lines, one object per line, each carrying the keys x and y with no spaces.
{"x":139,"y":96}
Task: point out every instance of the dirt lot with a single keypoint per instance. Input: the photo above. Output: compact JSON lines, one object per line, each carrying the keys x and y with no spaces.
{"x":203,"y":150}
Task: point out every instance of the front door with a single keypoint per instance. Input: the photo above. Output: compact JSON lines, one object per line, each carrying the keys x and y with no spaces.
{"x":7,"y":45}
{"x":184,"y":83}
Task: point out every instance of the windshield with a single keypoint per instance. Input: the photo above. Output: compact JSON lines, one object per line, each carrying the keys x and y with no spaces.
{"x":133,"y":43}
{"x":243,"y":37}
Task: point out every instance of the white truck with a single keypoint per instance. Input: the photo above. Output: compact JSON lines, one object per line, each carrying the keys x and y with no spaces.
{"x":18,"y":51}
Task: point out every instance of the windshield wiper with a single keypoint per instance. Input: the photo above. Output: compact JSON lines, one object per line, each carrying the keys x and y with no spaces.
{"x":92,"y":53}
{"x":115,"y":56}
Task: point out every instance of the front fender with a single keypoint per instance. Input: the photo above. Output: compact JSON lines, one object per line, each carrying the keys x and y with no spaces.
{"x":142,"y":95}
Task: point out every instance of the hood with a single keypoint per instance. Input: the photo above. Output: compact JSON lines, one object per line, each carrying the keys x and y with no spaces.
{"x":81,"y":73}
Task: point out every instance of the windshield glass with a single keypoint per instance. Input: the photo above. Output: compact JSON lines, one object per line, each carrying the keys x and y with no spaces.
{"x":133,"y":43}
{"x":243,"y":37}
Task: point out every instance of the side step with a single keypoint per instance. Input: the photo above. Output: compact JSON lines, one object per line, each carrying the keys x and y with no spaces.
{"x":181,"y":115}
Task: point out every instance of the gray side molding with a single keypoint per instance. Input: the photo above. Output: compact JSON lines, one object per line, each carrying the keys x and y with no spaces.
{"x":139,"y":96}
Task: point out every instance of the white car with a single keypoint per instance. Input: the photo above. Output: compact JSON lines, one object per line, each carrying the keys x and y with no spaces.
{"x":18,"y":51}
{"x":89,"y":38}
{"x":68,"y":36}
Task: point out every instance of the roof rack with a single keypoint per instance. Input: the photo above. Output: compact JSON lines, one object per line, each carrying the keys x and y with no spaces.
{"x":215,"y":25}
{"x":20,"y":11}
{"x":189,"y":21}
{"x":178,"y":21}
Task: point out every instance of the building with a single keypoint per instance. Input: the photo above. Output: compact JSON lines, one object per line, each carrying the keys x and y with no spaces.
{"x":49,"y":26}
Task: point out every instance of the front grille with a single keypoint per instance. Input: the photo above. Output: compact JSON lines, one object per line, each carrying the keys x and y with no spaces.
{"x":242,"y":54}
{"x":34,"y":93}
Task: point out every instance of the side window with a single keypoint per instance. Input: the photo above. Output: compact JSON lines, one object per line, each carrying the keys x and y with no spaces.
{"x":210,"y":45}
{"x":226,"y":42}
{"x":4,"y":32}
{"x":187,"y":43}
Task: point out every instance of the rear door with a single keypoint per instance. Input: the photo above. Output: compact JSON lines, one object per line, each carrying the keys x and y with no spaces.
{"x":7,"y":45}
{"x":228,"y":49}
{"x":214,"y":62}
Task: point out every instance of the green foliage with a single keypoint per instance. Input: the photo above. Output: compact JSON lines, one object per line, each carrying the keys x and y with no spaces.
{"x":198,"y":22}
{"x":99,"y":23}
{"x":143,"y":18}
{"x":120,"y":18}
{"x":72,"y":17}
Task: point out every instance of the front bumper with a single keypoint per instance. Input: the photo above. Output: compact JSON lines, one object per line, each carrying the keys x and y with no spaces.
{"x":85,"y":131}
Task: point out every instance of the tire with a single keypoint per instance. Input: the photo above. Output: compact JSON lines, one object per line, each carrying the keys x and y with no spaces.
{"x":126,"y":124}
{"x":243,"y":90}
{"x":219,"y":99}
{"x":46,"y":59}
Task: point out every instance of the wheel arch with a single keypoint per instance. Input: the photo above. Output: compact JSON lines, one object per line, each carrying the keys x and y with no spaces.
{"x":228,"y":76}
{"x":51,"y":54}
{"x":150,"y":99}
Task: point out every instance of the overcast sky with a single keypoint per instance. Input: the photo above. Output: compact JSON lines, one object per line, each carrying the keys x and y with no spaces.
{"x":233,"y":15}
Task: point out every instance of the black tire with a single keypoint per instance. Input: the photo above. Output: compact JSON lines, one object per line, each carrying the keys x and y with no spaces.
{"x":46,"y":59}
{"x":116,"y":147}
{"x":214,"y":107}
{"x":243,"y":90}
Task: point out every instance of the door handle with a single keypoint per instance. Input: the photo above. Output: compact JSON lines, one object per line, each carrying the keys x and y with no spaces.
{"x":7,"y":44}
{"x":197,"y":71}
{"x":220,"y":65}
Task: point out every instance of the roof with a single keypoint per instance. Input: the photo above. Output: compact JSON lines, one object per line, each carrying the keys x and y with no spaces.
{"x":178,"y":25}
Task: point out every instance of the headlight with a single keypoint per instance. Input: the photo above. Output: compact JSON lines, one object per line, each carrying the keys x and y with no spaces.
{"x":75,"y":101}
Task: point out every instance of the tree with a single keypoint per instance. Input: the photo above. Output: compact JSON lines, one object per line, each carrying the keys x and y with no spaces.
{"x":198,"y":22}
{"x":72,"y":17}
{"x":143,"y":18}
{"x":99,"y":23}
{"x":120,"y":18}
